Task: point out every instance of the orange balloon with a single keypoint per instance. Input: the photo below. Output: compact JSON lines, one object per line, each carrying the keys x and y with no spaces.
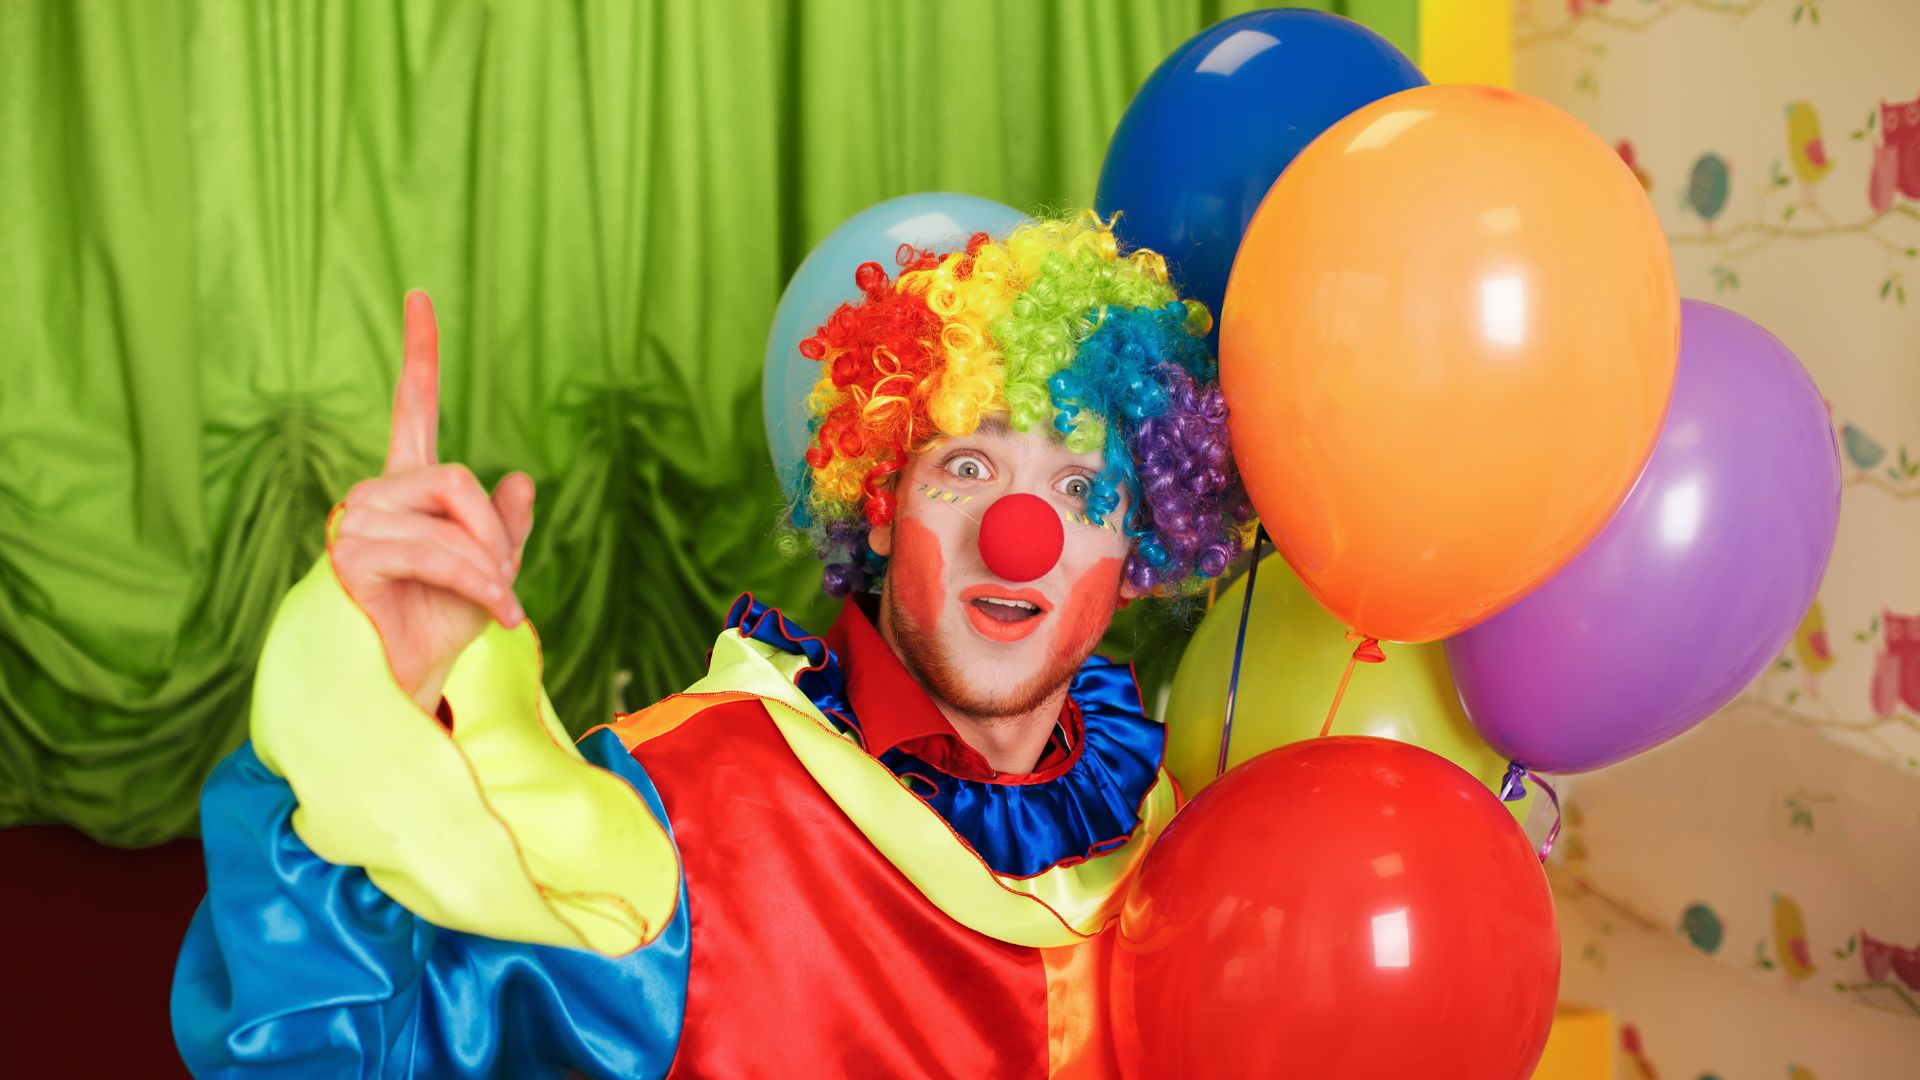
{"x":1447,"y":347}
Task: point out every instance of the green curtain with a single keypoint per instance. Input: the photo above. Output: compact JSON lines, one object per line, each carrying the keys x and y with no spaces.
{"x":209,"y":212}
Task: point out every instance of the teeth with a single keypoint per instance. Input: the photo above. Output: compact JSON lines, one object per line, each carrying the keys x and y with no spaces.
{"x":1023,"y":605}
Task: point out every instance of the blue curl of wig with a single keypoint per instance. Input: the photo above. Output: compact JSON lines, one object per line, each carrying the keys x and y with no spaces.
{"x":1145,"y":375}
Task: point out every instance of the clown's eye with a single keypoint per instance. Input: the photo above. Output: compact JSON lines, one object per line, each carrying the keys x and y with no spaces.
{"x":1077,"y":486}
{"x":968,"y":467}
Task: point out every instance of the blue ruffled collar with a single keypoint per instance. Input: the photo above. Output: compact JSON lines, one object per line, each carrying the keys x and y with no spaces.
{"x":1020,"y":830}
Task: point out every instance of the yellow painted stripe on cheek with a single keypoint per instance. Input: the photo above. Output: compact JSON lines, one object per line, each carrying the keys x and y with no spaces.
{"x":943,"y":495}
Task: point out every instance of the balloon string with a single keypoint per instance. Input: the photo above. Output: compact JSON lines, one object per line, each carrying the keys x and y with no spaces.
{"x":1239,"y":648}
{"x":1367,"y":652}
{"x":1513,"y":787}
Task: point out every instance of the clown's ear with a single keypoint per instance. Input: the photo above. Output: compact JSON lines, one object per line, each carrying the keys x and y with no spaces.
{"x":880,"y":539}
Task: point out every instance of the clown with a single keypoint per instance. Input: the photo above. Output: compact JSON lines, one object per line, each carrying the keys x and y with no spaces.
{"x":896,"y":848}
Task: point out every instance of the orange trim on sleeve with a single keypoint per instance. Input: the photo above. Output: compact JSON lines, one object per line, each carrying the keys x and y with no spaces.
{"x":664,"y":715}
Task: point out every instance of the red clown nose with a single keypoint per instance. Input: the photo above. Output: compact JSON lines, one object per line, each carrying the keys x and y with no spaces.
{"x":1021,"y":537}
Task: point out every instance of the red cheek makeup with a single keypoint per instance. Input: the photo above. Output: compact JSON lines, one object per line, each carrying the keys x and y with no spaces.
{"x":916,"y":570}
{"x":1089,"y":608}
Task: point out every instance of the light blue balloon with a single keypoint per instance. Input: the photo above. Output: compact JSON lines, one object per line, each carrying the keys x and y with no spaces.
{"x":935,"y":220}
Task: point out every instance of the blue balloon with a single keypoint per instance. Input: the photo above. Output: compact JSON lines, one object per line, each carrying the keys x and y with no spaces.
{"x":935,"y":220}
{"x":1218,"y":120}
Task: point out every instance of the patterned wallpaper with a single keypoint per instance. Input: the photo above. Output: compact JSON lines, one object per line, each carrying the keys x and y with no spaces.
{"x":1746,"y":900}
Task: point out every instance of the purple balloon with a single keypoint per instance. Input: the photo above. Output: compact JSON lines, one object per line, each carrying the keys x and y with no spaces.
{"x":1694,"y":586}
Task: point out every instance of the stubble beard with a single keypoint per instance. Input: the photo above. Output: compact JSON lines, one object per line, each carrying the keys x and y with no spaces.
{"x":927,"y":658}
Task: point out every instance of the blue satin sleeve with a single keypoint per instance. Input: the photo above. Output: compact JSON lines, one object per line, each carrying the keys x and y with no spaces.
{"x":296,"y":967}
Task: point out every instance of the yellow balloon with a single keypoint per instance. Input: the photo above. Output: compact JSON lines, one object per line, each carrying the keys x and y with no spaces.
{"x":1294,"y":657}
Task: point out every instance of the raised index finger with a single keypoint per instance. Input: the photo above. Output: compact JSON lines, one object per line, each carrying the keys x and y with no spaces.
{"x":416,"y":399}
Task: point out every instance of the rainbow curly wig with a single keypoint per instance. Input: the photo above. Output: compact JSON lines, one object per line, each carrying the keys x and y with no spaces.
{"x":1056,"y":328}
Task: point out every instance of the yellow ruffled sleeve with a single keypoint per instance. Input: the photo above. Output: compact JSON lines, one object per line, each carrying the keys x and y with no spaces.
{"x":500,"y":828}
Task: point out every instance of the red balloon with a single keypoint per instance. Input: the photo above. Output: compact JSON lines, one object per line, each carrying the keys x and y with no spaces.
{"x":1342,"y":907}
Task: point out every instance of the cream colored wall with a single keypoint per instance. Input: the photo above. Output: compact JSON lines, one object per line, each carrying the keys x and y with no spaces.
{"x":1794,"y":814}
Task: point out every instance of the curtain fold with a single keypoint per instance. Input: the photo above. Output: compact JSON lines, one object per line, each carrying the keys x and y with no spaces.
{"x":210,"y":211}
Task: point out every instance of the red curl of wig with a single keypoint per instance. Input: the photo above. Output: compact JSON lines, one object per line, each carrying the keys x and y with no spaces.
{"x":880,"y":352}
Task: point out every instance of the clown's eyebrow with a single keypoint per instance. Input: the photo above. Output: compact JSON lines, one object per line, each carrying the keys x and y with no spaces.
{"x":991,"y":427}
{"x":997,"y":427}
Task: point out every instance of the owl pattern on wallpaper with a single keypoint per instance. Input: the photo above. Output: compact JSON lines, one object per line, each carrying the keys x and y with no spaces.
{"x":1896,"y":671}
{"x":1899,"y":150}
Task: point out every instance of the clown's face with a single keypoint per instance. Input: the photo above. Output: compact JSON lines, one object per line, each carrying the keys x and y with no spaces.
{"x":982,"y":645}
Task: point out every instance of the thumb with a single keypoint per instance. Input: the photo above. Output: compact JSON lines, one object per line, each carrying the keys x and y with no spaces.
{"x":513,"y":501}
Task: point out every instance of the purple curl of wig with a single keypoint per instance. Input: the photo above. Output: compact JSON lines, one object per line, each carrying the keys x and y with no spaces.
{"x":1190,"y":499}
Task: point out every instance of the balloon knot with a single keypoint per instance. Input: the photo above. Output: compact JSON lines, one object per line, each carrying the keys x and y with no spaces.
{"x":1368,"y":651}
{"x":1513,"y":787}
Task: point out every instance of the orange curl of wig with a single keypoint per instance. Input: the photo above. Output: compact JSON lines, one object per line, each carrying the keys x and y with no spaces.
{"x":887,"y":389}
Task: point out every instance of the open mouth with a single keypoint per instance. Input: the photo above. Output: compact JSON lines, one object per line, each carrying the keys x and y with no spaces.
{"x":1004,"y":615}
{"x":1006,"y":610}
